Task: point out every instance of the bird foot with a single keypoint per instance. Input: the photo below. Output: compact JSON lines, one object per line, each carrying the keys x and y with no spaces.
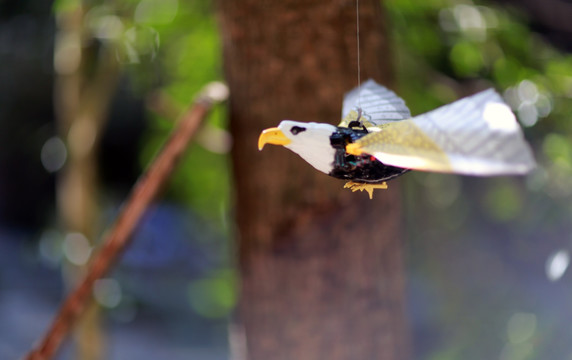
{"x":354,"y":186}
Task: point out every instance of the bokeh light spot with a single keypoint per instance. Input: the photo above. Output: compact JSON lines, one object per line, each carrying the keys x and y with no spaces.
{"x":53,"y":154}
{"x":470,"y":21}
{"x":107,"y":27}
{"x":527,"y":114}
{"x":138,"y":42}
{"x":520,"y":351}
{"x":50,"y":247}
{"x":527,"y":91}
{"x":76,"y":248}
{"x":557,"y":264}
{"x":543,"y":105}
{"x":107,"y":292}
{"x":521,"y":327}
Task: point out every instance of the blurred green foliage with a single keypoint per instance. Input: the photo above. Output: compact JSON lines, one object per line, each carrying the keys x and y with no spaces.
{"x":214,"y":296}
{"x":189,"y":58}
{"x":476,"y":240}
{"x":446,"y":49}
{"x":169,"y":50}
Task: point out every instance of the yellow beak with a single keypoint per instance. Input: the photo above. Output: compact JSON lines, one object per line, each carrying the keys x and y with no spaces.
{"x":272,"y":136}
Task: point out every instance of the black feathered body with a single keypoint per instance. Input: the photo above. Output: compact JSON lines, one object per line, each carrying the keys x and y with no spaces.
{"x":363,"y":168}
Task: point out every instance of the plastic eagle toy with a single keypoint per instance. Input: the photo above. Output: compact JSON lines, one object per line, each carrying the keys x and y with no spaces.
{"x":378,"y":140}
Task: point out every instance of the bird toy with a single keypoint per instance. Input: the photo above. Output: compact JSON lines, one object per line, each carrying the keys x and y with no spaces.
{"x":378,"y":140}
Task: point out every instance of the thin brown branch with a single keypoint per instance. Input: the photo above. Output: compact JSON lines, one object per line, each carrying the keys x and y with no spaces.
{"x":118,"y":238}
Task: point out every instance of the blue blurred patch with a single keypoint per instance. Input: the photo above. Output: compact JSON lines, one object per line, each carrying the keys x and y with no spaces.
{"x":172,"y":236}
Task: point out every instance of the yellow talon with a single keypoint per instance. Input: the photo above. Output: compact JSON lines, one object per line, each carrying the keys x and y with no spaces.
{"x":354,"y":186}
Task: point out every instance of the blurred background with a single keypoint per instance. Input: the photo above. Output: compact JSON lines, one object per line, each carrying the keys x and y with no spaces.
{"x":487,"y":258}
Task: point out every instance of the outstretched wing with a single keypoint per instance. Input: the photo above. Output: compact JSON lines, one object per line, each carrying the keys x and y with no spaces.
{"x":477,"y":135}
{"x":378,"y":105}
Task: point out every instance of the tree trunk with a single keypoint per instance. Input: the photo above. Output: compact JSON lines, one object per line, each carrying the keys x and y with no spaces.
{"x":82,"y":96}
{"x":321,"y":268}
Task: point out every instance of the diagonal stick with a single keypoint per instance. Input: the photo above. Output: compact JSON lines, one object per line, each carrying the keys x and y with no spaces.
{"x":118,"y":238}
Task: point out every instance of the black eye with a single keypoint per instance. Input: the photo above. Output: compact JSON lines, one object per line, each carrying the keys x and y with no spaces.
{"x":297,"y":129}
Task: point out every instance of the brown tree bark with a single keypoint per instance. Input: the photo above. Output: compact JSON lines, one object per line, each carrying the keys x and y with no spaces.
{"x":321,"y":268}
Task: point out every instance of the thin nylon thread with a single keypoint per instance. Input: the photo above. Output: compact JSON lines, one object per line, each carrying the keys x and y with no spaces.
{"x":358,"y":55}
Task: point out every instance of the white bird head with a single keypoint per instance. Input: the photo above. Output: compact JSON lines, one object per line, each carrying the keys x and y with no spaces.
{"x":309,"y":140}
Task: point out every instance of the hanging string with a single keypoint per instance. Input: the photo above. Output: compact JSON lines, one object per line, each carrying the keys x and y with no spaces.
{"x":358,"y":57}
